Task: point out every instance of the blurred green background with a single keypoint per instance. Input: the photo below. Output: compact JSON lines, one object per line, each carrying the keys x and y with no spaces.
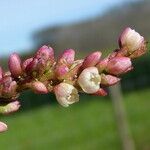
{"x":90,"y":124}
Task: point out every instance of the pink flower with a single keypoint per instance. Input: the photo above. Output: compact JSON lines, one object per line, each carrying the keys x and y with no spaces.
{"x":131,"y":40}
{"x":26,"y":63}
{"x":67,"y":57}
{"x":66,"y":94}
{"x":119,"y":65}
{"x":89,"y":80}
{"x":15,"y":65}
{"x":100,"y":92}
{"x":38,"y":87}
{"x":3,"y":127}
{"x":102,"y":64}
{"x":10,"y":107}
{"x":109,"y":80}
{"x":61,"y":71}
{"x":46,"y":53}
{"x":8,"y":87}
{"x":1,"y":73}
{"x":92,"y":59}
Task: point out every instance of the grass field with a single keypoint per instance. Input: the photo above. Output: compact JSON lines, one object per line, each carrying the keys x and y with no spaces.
{"x":87,"y":125}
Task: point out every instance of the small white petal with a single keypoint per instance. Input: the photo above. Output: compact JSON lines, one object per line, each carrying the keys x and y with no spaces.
{"x":66,"y":94}
{"x":89,"y":80}
{"x":132,"y":40}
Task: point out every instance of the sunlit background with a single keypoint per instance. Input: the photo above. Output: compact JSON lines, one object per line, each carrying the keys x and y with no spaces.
{"x":84,"y":25}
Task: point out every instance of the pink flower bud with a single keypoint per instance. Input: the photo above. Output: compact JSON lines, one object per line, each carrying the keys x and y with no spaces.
{"x":26,"y":63}
{"x":61,"y":71}
{"x":42,"y":62}
{"x":74,"y":70}
{"x":101,"y":66}
{"x":109,"y":80}
{"x":66,"y":94}
{"x":119,"y":65}
{"x":3,"y":127}
{"x":10,"y":107}
{"x":39,"y":87}
{"x":15,"y":65}
{"x":9,"y":87}
{"x":92,"y":59}
{"x":32,"y":66}
{"x":12,"y":87}
{"x":131,"y":40}
{"x":1,"y":73}
{"x":46,"y":53}
{"x":67,"y":57}
{"x":89,"y":80}
{"x":100,"y":92}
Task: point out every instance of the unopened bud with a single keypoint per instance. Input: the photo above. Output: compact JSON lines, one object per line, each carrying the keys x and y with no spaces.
{"x":9,"y":87}
{"x":101,"y":66}
{"x":39,"y":87}
{"x":10,"y":107}
{"x":131,"y":40}
{"x":15,"y":65}
{"x":89,"y":80}
{"x":92,"y":59}
{"x":100,"y":92}
{"x":26,"y":63}
{"x":1,"y":73}
{"x":61,"y":70}
{"x":109,"y":80}
{"x":66,"y":94}
{"x":67,"y":57}
{"x":3,"y":127}
{"x":46,"y":53}
{"x":119,"y":65}
{"x":74,"y":70}
{"x":32,"y":66}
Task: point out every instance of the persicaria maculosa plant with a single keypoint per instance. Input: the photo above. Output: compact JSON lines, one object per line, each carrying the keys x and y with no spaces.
{"x":65,"y":76}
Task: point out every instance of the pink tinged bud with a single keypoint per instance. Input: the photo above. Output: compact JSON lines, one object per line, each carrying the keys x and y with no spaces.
{"x":39,"y":87}
{"x":9,"y":87}
{"x":10,"y":107}
{"x":13,"y":86}
{"x":15,"y":65}
{"x":141,"y":51}
{"x":92,"y":59}
{"x":131,"y":40}
{"x":101,"y":66}
{"x":32,"y":66}
{"x":1,"y":73}
{"x":109,"y":80}
{"x":89,"y":80}
{"x":26,"y":63}
{"x":66,"y":94}
{"x":3,"y":127}
{"x":100,"y":92}
{"x":67,"y":57}
{"x":46,"y":53}
{"x":119,"y":65}
{"x":74,"y":70}
{"x":61,"y":71}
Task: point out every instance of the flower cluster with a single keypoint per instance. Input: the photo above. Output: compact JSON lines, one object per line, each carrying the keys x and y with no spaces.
{"x":65,"y":76}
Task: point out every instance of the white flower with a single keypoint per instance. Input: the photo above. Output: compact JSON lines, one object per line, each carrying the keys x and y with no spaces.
{"x":66,"y":94}
{"x":89,"y":80}
{"x":131,"y":39}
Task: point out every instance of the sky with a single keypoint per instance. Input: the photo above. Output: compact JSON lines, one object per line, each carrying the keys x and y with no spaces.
{"x":19,"y":19}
